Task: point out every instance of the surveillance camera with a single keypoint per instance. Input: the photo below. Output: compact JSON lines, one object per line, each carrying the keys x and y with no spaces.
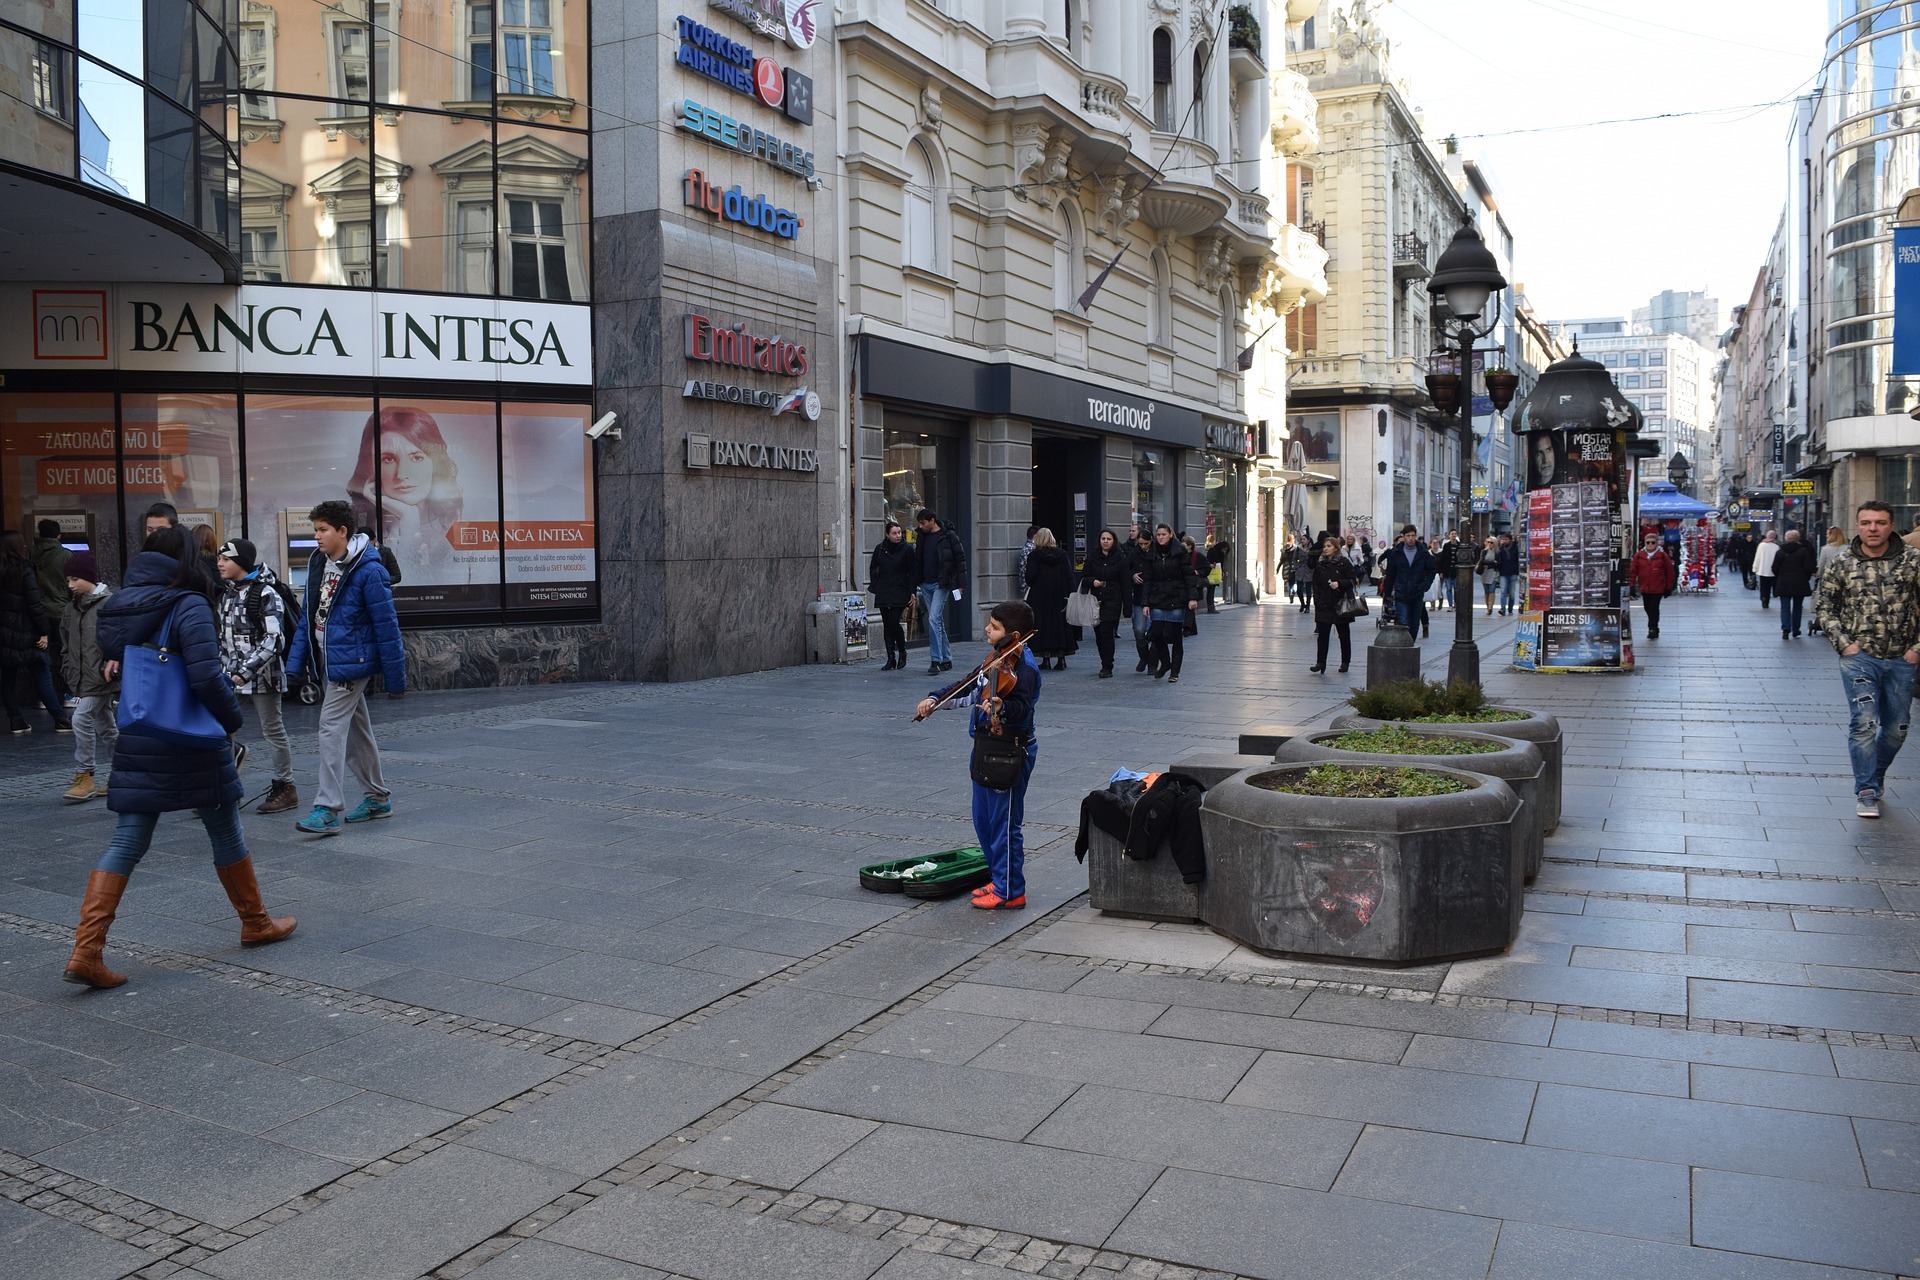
{"x":603,"y":426}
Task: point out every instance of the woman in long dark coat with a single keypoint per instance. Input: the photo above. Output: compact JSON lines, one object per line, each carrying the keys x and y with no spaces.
{"x":1333,"y":574}
{"x":24,"y":635}
{"x":1105,"y":575}
{"x":1171,"y":591}
{"x":150,"y":776}
{"x":1049,"y":582}
{"x":892,"y":575}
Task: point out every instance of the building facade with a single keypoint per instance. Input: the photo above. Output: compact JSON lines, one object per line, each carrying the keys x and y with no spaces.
{"x":1668,"y":376}
{"x":1695,"y":313}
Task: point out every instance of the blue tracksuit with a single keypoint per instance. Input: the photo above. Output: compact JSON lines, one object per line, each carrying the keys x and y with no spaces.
{"x":997,"y":814}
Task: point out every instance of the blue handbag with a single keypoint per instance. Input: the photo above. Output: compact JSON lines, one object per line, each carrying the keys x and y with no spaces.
{"x":156,"y":701}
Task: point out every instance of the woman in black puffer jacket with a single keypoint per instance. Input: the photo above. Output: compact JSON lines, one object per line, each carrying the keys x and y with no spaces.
{"x":24,"y":630}
{"x":1333,"y":575}
{"x":1105,"y":575}
{"x":151,"y":777}
{"x":1171,"y":588}
{"x":1049,"y":582}
{"x":892,"y":575}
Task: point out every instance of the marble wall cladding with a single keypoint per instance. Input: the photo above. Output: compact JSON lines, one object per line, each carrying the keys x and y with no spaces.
{"x":725,"y":616}
{"x":1002,"y":504}
{"x":487,"y":657}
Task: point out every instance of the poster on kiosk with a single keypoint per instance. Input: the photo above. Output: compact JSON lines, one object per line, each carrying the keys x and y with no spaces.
{"x":1573,"y":524}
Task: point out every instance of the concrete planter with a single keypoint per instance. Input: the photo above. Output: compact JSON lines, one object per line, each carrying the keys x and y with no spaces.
{"x":1150,"y":890}
{"x":1539,"y":728}
{"x":1396,"y":881}
{"x":1518,"y":764}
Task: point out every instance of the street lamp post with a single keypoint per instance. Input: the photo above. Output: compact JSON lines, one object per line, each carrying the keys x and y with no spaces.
{"x":1679,"y":471}
{"x":1467,"y":277}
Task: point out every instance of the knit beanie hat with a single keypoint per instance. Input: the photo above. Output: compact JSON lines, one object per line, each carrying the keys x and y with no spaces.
{"x":83,"y":566}
{"x":241,"y":552}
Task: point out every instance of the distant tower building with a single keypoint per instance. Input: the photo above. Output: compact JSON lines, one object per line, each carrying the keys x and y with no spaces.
{"x":1696,"y":314}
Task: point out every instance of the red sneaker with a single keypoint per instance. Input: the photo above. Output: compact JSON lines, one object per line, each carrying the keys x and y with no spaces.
{"x":991,"y":901}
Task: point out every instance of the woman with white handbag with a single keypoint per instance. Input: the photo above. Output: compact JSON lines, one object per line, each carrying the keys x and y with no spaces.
{"x":1103,"y":581}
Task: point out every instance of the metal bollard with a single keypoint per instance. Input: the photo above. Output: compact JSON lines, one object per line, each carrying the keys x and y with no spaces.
{"x":1392,"y":656}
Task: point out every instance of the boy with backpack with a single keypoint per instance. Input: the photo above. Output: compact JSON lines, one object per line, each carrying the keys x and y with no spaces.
{"x":94,"y":728}
{"x":258,"y":617}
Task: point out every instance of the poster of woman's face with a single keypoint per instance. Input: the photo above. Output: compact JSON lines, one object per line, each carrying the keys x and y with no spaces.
{"x":1545,"y":459}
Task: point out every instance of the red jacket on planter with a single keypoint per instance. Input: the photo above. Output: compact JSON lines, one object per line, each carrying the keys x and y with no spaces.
{"x":1652,"y":572}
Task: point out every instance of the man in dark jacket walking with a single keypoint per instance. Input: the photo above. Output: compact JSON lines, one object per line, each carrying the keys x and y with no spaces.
{"x":1507,"y":561}
{"x":943,"y":575}
{"x":49,"y":556}
{"x":1793,"y":568}
{"x":1407,"y":572}
{"x":349,"y":631}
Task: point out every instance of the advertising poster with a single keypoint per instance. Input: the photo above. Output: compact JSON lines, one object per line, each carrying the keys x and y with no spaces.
{"x":1526,"y":642}
{"x":548,"y":467}
{"x":1581,"y":638}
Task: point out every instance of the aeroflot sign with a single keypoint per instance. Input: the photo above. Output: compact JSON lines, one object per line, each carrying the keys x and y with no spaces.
{"x":274,"y":329}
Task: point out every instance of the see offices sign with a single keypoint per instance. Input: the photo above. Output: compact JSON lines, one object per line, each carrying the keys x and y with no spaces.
{"x":283,"y":330}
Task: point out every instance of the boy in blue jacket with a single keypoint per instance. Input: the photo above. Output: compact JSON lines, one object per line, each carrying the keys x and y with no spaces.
{"x":349,"y":631}
{"x":997,"y":814}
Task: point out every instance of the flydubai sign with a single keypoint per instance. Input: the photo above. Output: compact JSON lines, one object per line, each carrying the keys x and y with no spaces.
{"x":274,"y":329}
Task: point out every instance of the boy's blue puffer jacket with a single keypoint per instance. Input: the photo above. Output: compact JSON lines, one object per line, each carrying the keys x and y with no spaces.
{"x":151,"y":776}
{"x":363,"y":631}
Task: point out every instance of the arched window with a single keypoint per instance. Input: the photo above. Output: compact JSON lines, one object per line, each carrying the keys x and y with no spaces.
{"x":918,"y":244}
{"x":1229,"y":330}
{"x":1071,"y":14}
{"x":1201,"y":57}
{"x":1163,"y":79}
{"x":1160,"y":300}
{"x":1069,"y":253}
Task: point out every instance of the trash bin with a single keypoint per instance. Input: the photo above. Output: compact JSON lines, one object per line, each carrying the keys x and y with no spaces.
{"x":837,"y":627}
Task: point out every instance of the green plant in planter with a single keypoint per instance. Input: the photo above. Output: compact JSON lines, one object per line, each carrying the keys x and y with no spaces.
{"x":1429,"y":702}
{"x":1397,"y":740}
{"x":1243,"y":29}
{"x":1360,"y":782}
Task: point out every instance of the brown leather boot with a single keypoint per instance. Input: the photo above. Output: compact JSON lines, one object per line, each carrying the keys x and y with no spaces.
{"x":85,"y":966}
{"x":257,"y":928}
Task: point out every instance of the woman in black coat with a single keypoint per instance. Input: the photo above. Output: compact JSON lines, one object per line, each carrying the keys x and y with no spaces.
{"x":1049,"y":583}
{"x":1333,"y":574}
{"x":167,"y":583}
{"x":892,"y":575}
{"x":24,"y":631}
{"x":1793,"y":570}
{"x":1105,"y":574}
{"x":1170,"y":590}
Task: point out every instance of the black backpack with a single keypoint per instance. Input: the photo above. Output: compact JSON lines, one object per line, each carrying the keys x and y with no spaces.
{"x":257,"y":613}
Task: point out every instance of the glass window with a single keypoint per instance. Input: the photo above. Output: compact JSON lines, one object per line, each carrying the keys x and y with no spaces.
{"x":536,"y":249}
{"x":924,"y":466}
{"x":1163,"y":80}
{"x":50,"y":18}
{"x":548,"y":464}
{"x":1318,"y":437}
{"x":1156,"y":484}
{"x":1656,"y":357}
{"x":479,"y":42}
{"x":36,"y":103}
{"x":113,"y":33}
{"x":1656,"y":402}
{"x":359,"y":50}
{"x":1630,"y":382}
{"x":1656,"y":379}
{"x":299,"y":452}
{"x":183,"y":450}
{"x":113,"y":153}
{"x":917,"y":220}
{"x":526,"y":47}
{"x":57,"y":462}
{"x":308,"y":183}
{"x":170,"y":41}
{"x":256,"y":65}
{"x":172,"y":165}
{"x":1632,"y":359}
{"x":543,"y":213}
{"x":1224,"y":501}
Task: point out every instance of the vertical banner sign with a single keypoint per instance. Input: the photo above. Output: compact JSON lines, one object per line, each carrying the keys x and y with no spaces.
{"x":1906,"y":300}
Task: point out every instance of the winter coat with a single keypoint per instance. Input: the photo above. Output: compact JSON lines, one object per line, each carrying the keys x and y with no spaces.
{"x":1146,"y":813}
{"x":1114,"y":571}
{"x":1507,"y":560}
{"x":80,"y":657}
{"x":893,"y":573}
{"x":1874,"y":603}
{"x":1403,"y":580}
{"x":1136,"y":567}
{"x":1651,"y":572}
{"x":362,"y":629}
{"x":1332,"y":575}
{"x":256,"y":664}
{"x":1793,"y":569}
{"x":23,"y":620}
{"x":1016,"y":708}
{"x":1447,"y":558}
{"x":1832,"y":551}
{"x":1049,"y":581}
{"x":952,"y":558}
{"x":151,"y":776}
{"x":1170,"y":581}
{"x":1763,"y":557}
{"x":49,"y":556}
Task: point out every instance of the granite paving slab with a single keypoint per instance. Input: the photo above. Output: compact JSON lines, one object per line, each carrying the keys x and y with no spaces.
{"x":42,"y":1110}
{"x":1073,"y":1009}
{"x":889,"y":966}
{"x":1813,"y":1222}
{"x":542,"y":1260}
{"x":1757,"y":1052}
{"x":668,"y":990}
{"x":936,"y":1035}
{"x":432,"y":1067}
{"x":764,"y":1034}
{"x":363,"y":1128}
{"x":1804,"y":1006}
{"x":219,"y":1087}
{"x":933,"y":1095}
{"x":39,"y":1246}
{"x":1561,"y":1066}
{"x":1528,"y":1251}
{"x":1840,"y":1096}
{"x":1295,"y":1035}
{"x":1151,"y":1063}
{"x":774,"y":1145}
{"x":1400,"y":1015}
{"x":1376,"y":1093}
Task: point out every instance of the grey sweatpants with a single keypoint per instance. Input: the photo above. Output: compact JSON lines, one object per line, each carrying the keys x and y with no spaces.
{"x":266,"y":706}
{"x":94,"y":732}
{"x":346,"y":742}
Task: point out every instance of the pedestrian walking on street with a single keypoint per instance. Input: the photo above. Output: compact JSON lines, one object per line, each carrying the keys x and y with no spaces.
{"x":1137,"y":552}
{"x":1303,"y":569}
{"x":1171,"y":590}
{"x":348,"y":633}
{"x":256,"y":627}
{"x":1651,"y":572}
{"x":1793,"y":570}
{"x":1217,"y":553}
{"x":943,"y":575}
{"x":94,"y":726}
{"x":1333,"y":576}
{"x":1507,"y":560}
{"x":892,"y":574}
{"x":49,"y":556}
{"x":1446,"y":562}
{"x":1763,"y":556}
{"x":1190,"y":624}
{"x":1049,"y":577}
{"x":1002,"y":700}
{"x":1870,"y":607}
{"x":1105,"y":574}
{"x":1406,"y":573}
{"x":166,"y":587}
{"x":1835,"y":548}
{"x":1487,"y":569}
{"x":24,"y":629}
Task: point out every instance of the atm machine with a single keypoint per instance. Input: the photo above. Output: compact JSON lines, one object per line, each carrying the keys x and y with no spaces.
{"x":296,"y":547}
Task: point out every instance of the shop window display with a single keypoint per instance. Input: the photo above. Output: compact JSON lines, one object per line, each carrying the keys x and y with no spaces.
{"x":183,"y":450}
{"x":58,"y":461}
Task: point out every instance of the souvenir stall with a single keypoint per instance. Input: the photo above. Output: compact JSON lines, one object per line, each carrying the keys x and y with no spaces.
{"x":1681,"y":524}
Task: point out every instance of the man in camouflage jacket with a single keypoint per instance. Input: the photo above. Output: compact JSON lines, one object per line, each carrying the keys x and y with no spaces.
{"x":1870,"y":609}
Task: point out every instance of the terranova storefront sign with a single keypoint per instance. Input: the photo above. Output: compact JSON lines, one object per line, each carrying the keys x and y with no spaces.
{"x":277,"y":329}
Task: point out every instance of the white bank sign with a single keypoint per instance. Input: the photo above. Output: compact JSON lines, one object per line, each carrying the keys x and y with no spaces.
{"x":275,"y":329}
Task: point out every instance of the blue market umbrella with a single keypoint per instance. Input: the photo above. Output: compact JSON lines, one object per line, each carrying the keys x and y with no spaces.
{"x":1662,"y":501}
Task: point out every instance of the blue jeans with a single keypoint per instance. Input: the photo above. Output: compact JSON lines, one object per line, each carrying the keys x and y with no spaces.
{"x":933,"y":602}
{"x":1879,"y":708}
{"x":1446,"y":588}
{"x":1790,"y":613}
{"x":996,"y":825}
{"x":1407,"y":612}
{"x":135,"y":833}
{"x":1509,"y":591}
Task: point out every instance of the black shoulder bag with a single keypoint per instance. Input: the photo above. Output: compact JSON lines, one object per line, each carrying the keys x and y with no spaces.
{"x":998,"y":759}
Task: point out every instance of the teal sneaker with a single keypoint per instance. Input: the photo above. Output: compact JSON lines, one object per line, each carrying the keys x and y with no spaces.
{"x":370,"y":808}
{"x":321,"y":822}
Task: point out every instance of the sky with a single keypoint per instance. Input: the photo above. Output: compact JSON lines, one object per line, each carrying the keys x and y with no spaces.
{"x":1605,"y":216}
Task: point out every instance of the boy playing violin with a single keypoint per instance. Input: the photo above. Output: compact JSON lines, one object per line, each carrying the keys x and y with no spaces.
{"x":1007,"y":685}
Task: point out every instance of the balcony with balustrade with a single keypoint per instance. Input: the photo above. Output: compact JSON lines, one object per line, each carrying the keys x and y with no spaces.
{"x":1411,"y":258}
{"x":1295,"y":114}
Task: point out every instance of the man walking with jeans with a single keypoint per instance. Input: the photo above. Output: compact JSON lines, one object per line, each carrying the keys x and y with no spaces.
{"x":1870,"y":609}
{"x":943,"y":572}
{"x":349,"y":631}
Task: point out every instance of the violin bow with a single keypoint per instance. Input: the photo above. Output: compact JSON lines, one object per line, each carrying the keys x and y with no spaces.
{"x":992,"y":662}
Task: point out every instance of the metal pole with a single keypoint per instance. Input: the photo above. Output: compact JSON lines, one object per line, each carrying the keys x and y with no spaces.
{"x":1463,"y":660}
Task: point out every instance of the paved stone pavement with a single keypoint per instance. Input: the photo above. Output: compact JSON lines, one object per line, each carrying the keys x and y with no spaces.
{"x":604,"y":1000}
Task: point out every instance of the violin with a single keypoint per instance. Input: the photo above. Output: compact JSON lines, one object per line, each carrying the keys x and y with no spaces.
{"x":999,"y":666}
